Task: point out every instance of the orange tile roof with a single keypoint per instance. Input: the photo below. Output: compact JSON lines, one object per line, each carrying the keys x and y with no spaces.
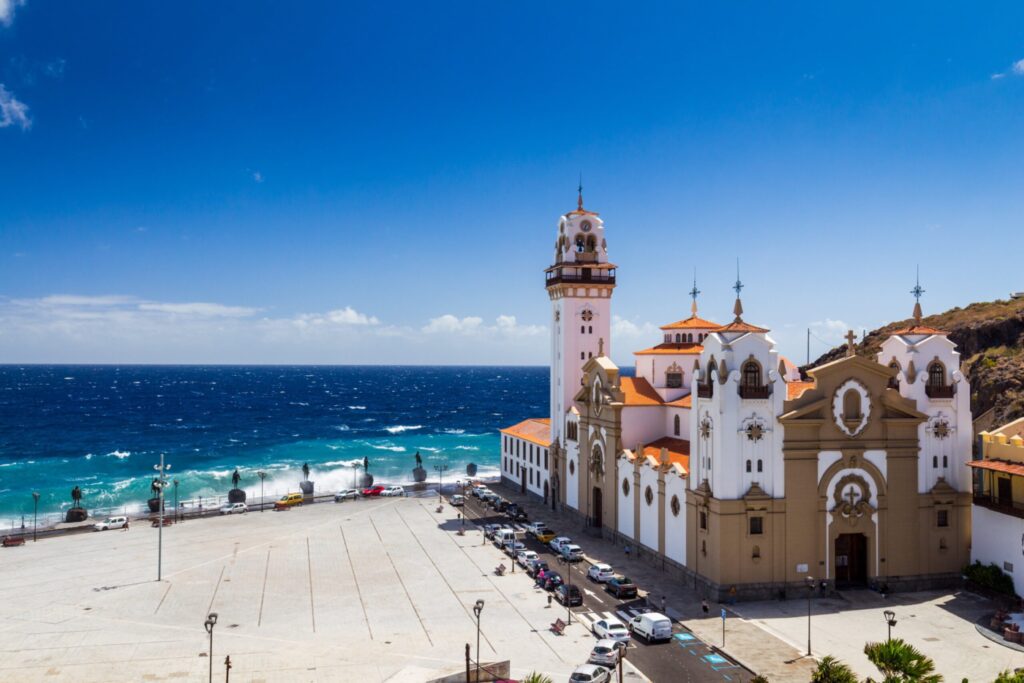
{"x":740,"y":326}
{"x":796,"y":389}
{"x":667,"y":349}
{"x":691,"y":323}
{"x":1016,"y":468}
{"x":684,"y":402}
{"x":918,"y":329}
{"x":678,"y":451}
{"x":639,"y":392}
{"x":534,"y":429}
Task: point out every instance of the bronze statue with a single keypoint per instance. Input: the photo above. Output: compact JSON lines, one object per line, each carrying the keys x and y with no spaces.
{"x":76,"y":495}
{"x":305,"y":471}
{"x":366,"y":464}
{"x":235,"y":478}
{"x":419,"y":460}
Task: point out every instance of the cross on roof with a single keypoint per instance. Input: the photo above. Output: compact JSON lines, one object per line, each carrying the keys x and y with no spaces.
{"x":693,"y":294}
{"x":738,"y":287}
{"x":850,"y":341}
{"x":917,"y":291}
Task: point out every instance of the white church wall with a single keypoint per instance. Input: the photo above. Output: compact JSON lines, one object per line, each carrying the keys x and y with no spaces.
{"x":668,"y":428}
{"x":649,"y":512}
{"x":642,"y":425}
{"x":625,"y":495}
{"x":675,"y":525}
{"x":996,"y":538}
{"x":572,"y":473}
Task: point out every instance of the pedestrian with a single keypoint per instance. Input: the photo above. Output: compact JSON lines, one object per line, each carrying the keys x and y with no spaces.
{"x":663,"y":604}
{"x":626,"y":549}
{"x":127,"y":521}
{"x":704,"y":607}
{"x":549,"y":600}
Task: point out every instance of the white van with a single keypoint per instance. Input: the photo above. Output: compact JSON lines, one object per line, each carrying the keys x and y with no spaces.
{"x":503,"y":537}
{"x":651,"y":627}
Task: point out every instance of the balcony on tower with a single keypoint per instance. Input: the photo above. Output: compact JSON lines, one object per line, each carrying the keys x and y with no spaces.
{"x":582,"y":273}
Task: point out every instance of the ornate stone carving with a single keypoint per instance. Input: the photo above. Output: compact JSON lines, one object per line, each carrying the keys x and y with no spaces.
{"x":852,"y":496}
{"x":705,"y":428}
{"x":851,"y":427}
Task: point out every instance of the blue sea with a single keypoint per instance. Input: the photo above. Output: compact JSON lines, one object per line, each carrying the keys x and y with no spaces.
{"x":103,"y":428}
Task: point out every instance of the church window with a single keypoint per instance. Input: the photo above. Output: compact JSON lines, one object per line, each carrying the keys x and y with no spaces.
{"x":590,"y":329}
{"x":545,"y":458}
{"x":935,"y":461}
{"x":678,"y":338}
{"x":703,"y":547}
{"x":582,"y":356}
{"x":583,"y":329}
{"x":945,"y":461}
{"x":760,"y":465}
{"x":648,"y":495}
{"x":674,"y":380}
{"x":936,"y":375}
{"x":851,"y":405}
{"x":674,"y":505}
{"x":942,"y":518}
{"x":756,"y":554}
{"x":703,"y":520}
{"x":748,"y":466}
{"x":894,"y":382}
{"x":668,"y":337}
{"x":591,"y":242}
{"x":590,"y":354}
{"x":572,"y":467}
{"x":676,"y":425}
{"x":751,"y":374}
{"x":756,"y":526}
{"x":689,"y":338}
{"x":581,"y":244}
{"x":625,"y":488}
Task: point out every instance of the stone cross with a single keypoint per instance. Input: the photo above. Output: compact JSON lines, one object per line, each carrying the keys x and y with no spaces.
{"x":850,"y":337}
{"x":600,"y":346}
{"x":851,"y":493}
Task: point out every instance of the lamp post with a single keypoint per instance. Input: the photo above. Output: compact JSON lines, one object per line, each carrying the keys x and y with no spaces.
{"x":262,"y":475}
{"x":440,"y":478}
{"x":161,"y":480}
{"x":477,"y":609}
{"x":176,"y":500}
{"x":227,"y":669}
{"x":35,"y":515}
{"x":890,"y":620}
{"x":210,"y":622}
{"x":810,"y":591}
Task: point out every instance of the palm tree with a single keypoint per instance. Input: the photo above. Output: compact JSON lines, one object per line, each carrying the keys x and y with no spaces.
{"x":535,"y":677}
{"x":900,"y":662}
{"x":831,"y":670}
{"x":759,"y":678}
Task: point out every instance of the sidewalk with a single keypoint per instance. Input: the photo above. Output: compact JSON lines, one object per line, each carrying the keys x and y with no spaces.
{"x":745,"y":642}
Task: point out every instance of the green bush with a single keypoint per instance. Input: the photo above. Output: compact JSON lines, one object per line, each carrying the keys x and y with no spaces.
{"x":989,"y":576}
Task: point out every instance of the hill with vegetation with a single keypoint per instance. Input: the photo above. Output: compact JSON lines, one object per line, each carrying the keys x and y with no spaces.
{"x":990,"y":338}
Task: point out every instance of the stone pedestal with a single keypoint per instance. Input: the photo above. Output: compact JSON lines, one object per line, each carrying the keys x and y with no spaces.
{"x":154,"y":504}
{"x":236,"y":496}
{"x":471,"y":469}
{"x":76,"y":515}
{"x":366,"y":481}
{"x":306,"y":487}
{"x":419,"y":475}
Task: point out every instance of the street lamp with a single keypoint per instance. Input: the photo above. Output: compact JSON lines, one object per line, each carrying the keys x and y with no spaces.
{"x":210,"y":622}
{"x":262,"y":475}
{"x":35,"y":515}
{"x":477,"y":609}
{"x":440,"y":477}
{"x":810,"y":591}
{"x":175,"y":500}
{"x":890,"y":620}
{"x":161,"y":483}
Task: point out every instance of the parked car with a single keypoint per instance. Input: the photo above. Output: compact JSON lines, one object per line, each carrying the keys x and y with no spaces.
{"x":350,"y":494}
{"x":288,"y":500}
{"x":545,"y":536}
{"x":590,"y":673}
{"x":233,"y":508}
{"x":651,"y":626}
{"x":611,"y":629}
{"x":372,"y":491}
{"x":571,"y":552}
{"x":393,"y":491}
{"x":606,"y":653}
{"x":535,"y":528}
{"x":519,"y":515}
{"x":491,"y":529}
{"x":536,"y":566}
{"x":504,"y":535}
{"x":558,"y":542}
{"x":523,"y":557}
{"x":499,"y":505}
{"x":568,"y":595}
{"x":111,"y":523}
{"x":621,"y":587}
{"x":457,"y":500}
{"x":480,"y":491}
{"x":552,"y":580}
{"x":600,"y":572}
{"x":513,"y":548}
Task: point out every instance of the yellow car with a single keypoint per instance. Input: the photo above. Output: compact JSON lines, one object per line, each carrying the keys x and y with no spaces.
{"x":546,"y":536}
{"x":288,"y":500}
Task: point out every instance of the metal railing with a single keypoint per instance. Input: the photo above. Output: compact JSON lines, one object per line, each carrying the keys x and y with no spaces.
{"x":996,"y":505}
{"x":752,"y":391}
{"x":554,"y":278}
{"x":937,"y":391}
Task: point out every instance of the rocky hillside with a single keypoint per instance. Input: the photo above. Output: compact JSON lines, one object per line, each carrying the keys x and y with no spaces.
{"x":990,"y":338}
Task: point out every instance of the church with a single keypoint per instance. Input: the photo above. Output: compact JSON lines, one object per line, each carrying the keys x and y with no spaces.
{"x":717,"y":461}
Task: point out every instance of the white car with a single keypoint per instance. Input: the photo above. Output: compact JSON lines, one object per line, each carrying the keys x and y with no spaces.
{"x":600,"y":572}
{"x":557,"y":543}
{"x":457,"y":500}
{"x":233,"y":508}
{"x":110,"y":523}
{"x":481,"y":491}
{"x":524,"y":557}
{"x":611,"y":629}
{"x":590,"y":673}
{"x":393,"y":491}
{"x":513,"y":548}
{"x":606,"y":652}
{"x":535,"y":528}
{"x":349,"y":494}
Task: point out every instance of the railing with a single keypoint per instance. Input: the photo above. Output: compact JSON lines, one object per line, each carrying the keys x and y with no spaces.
{"x":1007,"y":508}
{"x":554,"y":278}
{"x":935,"y":391}
{"x":748,"y":391}
{"x":705,"y":390}
{"x":586,"y":257}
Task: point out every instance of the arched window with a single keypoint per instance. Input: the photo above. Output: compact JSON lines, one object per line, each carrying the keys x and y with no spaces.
{"x":676,"y":507}
{"x":751,"y":374}
{"x":648,"y":495}
{"x":581,"y":244}
{"x":935,"y":461}
{"x":894,"y":382}
{"x":591,"y":242}
{"x":936,"y":375}
{"x":590,"y":329}
{"x":583,"y":355}
{"x":675,"y":425}
{"x":625,"y":488}
{"x":748,"y":466}
{"x":689,"y":338}
{"x":851,"y":405}
{"x":583,"y":329}
{"x":945,"y":461}
{"x":678,"y":337}
{"x":760,"y":465}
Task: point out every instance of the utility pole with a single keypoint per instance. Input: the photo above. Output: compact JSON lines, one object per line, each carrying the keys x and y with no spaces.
{"x":161,"y":484}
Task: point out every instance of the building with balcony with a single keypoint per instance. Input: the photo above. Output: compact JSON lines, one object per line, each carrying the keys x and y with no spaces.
{"x":997,"y":517}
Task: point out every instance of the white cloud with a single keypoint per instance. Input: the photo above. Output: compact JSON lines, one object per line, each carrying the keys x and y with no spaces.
{"x":450,"y":324}
{"x":76,"y":300}
{"x":1018,"y":68}
{"x":12,"y":112}
{"x":339,"y":316}
{"x":200,"y":309}
{"x":830,"y":331}
{"x":257,"y":176}
{"x":7,"y":8}
{"x":627,"y":330}
{"x":504,"y":327}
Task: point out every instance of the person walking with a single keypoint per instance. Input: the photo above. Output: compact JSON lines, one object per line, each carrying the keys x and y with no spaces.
{"x":704,"y":607}
{"x":626,"y":549}
{"x":663,"y":604}
{"x":127,"y":521}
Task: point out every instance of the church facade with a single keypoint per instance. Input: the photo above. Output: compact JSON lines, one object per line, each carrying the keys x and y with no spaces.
{"x":717,"y":460}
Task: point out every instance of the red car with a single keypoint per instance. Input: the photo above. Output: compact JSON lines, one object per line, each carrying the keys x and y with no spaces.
{"x":373,"y":491}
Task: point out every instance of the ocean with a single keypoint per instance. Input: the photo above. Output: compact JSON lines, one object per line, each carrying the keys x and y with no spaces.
{"x":103,"y":428}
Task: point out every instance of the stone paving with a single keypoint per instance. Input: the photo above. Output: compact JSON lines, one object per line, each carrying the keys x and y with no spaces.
{"x":372,"y":590}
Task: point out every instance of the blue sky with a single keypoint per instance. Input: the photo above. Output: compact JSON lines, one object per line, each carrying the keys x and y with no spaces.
{"x":380,"y":182}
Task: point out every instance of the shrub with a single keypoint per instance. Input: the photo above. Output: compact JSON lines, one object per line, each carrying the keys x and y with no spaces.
{"x":989,"y":576}
{"x":831,"y":670}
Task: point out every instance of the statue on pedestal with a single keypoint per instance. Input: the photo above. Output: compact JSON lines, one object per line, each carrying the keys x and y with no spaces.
{"x":418,"y":473}
{"x":236,"y":495}
{"x":306,"y":485}
{"x":76,"y":513}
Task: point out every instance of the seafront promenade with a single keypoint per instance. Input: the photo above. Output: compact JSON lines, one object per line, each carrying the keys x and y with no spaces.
{"x":370,"y":590}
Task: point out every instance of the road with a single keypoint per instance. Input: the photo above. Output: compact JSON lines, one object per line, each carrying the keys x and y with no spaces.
{"x":684,"y":658}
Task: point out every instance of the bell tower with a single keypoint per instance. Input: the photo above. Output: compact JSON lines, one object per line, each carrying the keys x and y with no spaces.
{"x":580,"y":285}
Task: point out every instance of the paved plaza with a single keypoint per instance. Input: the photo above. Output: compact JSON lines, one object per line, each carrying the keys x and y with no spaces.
{"x":370,"y":590}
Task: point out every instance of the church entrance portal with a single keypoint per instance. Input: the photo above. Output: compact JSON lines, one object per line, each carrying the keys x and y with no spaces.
{"x":851,"y":560}
{"x":597,"y":508}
